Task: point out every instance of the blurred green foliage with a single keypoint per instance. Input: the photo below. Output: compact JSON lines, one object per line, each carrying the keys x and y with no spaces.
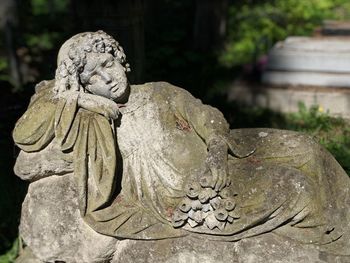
{"x":41,"y":42}
{"x":255,"y":25}
{"x":3,"y":69}
{"x":11,"y":255}
{"x":44,"y":7}
{"x":42,"y":27}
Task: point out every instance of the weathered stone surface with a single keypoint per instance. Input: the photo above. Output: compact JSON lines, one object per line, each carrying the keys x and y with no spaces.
{"x":166,"y":166}
{"x":266,"y":248}
{"x":53,"y":228}
{"x":37,"y":165}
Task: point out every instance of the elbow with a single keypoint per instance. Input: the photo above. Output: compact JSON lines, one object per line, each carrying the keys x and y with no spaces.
{"x":34,"y":166}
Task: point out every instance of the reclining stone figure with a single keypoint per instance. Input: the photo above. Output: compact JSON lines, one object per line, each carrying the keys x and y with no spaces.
{"x":151,"y":162}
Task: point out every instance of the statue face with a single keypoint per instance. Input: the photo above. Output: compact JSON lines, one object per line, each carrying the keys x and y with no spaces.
{"x":103,"y":75}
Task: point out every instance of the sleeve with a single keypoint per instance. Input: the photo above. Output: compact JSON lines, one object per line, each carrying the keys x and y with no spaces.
{"x":35,"y":129}
{"x":207,"y":121}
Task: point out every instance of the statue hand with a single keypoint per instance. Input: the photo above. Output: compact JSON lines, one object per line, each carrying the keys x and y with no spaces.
{"x":217,"y":163}
{"x":99,"y":104}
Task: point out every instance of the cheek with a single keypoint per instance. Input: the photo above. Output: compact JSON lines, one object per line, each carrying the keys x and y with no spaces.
{"x":91,"y":88}
{"x":121,"y":77}
{"x":94,"y":79}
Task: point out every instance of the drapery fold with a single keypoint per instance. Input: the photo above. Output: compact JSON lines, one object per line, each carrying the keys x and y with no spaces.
{"x":89,"y":135}
{"x":290,"y":185}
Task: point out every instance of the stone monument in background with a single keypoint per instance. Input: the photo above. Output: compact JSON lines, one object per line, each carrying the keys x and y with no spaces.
{"x":313,"y":70}
{"x":148,"y":173}
{"x":314,"y":61}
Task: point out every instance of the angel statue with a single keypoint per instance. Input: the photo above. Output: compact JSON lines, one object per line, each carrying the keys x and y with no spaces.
{"x":152,"y":162}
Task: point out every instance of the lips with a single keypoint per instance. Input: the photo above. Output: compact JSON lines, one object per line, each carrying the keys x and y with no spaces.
{"x":114,"y":87}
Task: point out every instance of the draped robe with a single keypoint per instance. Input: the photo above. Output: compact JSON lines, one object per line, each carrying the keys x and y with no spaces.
{"x":290,"y":185}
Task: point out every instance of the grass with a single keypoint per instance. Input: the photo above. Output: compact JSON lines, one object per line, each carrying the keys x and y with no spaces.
{"x":10,"y":255}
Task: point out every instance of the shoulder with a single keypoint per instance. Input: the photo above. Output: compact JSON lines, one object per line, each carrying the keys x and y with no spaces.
{"x":43,"y":91}
{"x":160,"y":87}
{"x":44,"y":85}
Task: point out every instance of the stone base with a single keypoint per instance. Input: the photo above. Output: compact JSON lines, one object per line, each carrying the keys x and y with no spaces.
{"x":52,"y":227}
{"x":262,"y":249}
{"x":54,"y":231}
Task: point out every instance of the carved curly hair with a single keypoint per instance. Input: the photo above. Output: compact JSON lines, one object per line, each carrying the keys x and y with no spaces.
{"x":74,"y":58}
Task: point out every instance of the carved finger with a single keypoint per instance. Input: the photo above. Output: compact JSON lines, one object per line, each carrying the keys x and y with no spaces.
{"x":218,"y":184}
{"x":215,"y":174}
{"x":227,"y":180}
{"x":221,"y":182}
{"x":115,"y":111}
{"x":224,"y":183}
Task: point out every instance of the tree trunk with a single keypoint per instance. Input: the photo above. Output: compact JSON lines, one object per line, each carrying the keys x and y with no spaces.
{"x":8,"y":23}
{"x":210,"y":23}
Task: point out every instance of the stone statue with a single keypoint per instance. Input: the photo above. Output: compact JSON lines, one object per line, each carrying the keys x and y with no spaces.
{"x":151,"y":162}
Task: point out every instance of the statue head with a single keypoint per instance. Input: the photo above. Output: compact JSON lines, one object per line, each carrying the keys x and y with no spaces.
{"x":92,"y":62}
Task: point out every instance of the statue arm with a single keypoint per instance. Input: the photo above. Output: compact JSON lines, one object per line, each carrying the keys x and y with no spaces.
{"x":34,"y":134}
{"x":42,"y":132}
{"x":94,"y":103}
{"x":32,"y":166}
{"x":210,"y":124}
{"x":207,"y":121}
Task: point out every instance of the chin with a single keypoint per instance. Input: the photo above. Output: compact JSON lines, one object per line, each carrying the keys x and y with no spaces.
{"x":121,"y":95}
